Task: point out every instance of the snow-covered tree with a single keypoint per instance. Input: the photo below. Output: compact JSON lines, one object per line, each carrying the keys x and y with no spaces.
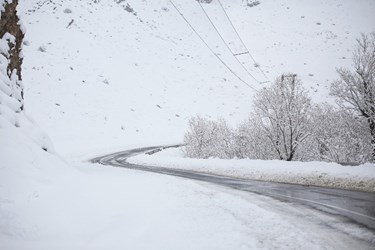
{"x":355,"y":90}
{"x":250,"y":141}
{"x":223,"y":140}
{"x":207,"y":138}
{"x":283,"y":111}
{"x":337,"y":135}
{"x":198,"y":138}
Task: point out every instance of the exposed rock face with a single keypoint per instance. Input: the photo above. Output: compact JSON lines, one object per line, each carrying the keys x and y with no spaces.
{"x":9,"y":24}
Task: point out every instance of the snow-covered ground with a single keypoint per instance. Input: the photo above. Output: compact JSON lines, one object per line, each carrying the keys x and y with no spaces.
{"x":308,"y":173}
{"x":99,"y":78}
{"x":47,"y":204}
{"x":96,"y":207}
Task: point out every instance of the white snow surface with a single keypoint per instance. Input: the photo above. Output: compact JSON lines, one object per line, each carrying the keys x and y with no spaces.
{"x":98,"y":76}
{"x":46,"y":204}
{"x":308,"y":173}
{"x":52,"y":206}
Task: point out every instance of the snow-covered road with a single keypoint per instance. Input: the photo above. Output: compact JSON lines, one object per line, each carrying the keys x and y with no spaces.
{"x":320,"y":211}
{"x":50,"y":205}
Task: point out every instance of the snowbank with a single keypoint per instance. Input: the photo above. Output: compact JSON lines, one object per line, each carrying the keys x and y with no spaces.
{"x":307,"y":173}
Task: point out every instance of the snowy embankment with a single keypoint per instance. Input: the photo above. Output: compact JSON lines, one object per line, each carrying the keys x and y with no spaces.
{"x":307,"y":173}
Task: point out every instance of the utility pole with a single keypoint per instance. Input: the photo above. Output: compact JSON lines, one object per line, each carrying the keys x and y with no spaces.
{"x":293,"y":76}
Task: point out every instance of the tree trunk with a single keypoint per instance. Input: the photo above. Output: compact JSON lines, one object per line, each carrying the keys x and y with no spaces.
{"x":372,"y":130}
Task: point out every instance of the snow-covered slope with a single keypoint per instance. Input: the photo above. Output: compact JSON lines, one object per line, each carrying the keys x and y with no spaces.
{"x":99,"y":76}
{"x":28,"y":163}
{"x":18,"y":132}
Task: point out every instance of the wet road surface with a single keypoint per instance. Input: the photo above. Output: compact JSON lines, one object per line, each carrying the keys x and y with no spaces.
{"x":355,"y":206}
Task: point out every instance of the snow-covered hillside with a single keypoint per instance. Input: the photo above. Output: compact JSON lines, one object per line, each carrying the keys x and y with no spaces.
{"x":99,"y":76}
{"x":24,"y":145}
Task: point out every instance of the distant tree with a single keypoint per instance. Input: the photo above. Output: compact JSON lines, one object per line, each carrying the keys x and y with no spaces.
{"x":207,"y":138}
{"x":198,"y":138}
{"x":283,"y":111}
{"x":355,"y":90}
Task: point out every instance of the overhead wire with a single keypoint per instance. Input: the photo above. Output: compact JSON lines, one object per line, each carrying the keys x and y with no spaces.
{"x":213,"y":52}
{"x":226,"y":44}
{"x":242,"y":42}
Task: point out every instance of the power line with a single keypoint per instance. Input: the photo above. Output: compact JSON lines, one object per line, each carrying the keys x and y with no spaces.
{"x":213,"y":52}
{"x":238,"y":35}
{"x":221,"y":37}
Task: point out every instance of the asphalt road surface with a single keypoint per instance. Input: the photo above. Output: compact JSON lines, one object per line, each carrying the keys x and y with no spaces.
{"x":354,"y":206}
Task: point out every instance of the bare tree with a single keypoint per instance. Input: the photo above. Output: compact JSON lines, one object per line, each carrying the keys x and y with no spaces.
{"x":206,"y":138}
{"x":338,"y":135}
{"x":283,"y":113}
{"x":355,"y":90}
{"x":199,"y":138}
{"x":223,"y":141}
{"x":251,"y":142}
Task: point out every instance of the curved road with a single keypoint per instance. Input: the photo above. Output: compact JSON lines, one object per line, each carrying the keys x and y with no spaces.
{"x":354,"y":206}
